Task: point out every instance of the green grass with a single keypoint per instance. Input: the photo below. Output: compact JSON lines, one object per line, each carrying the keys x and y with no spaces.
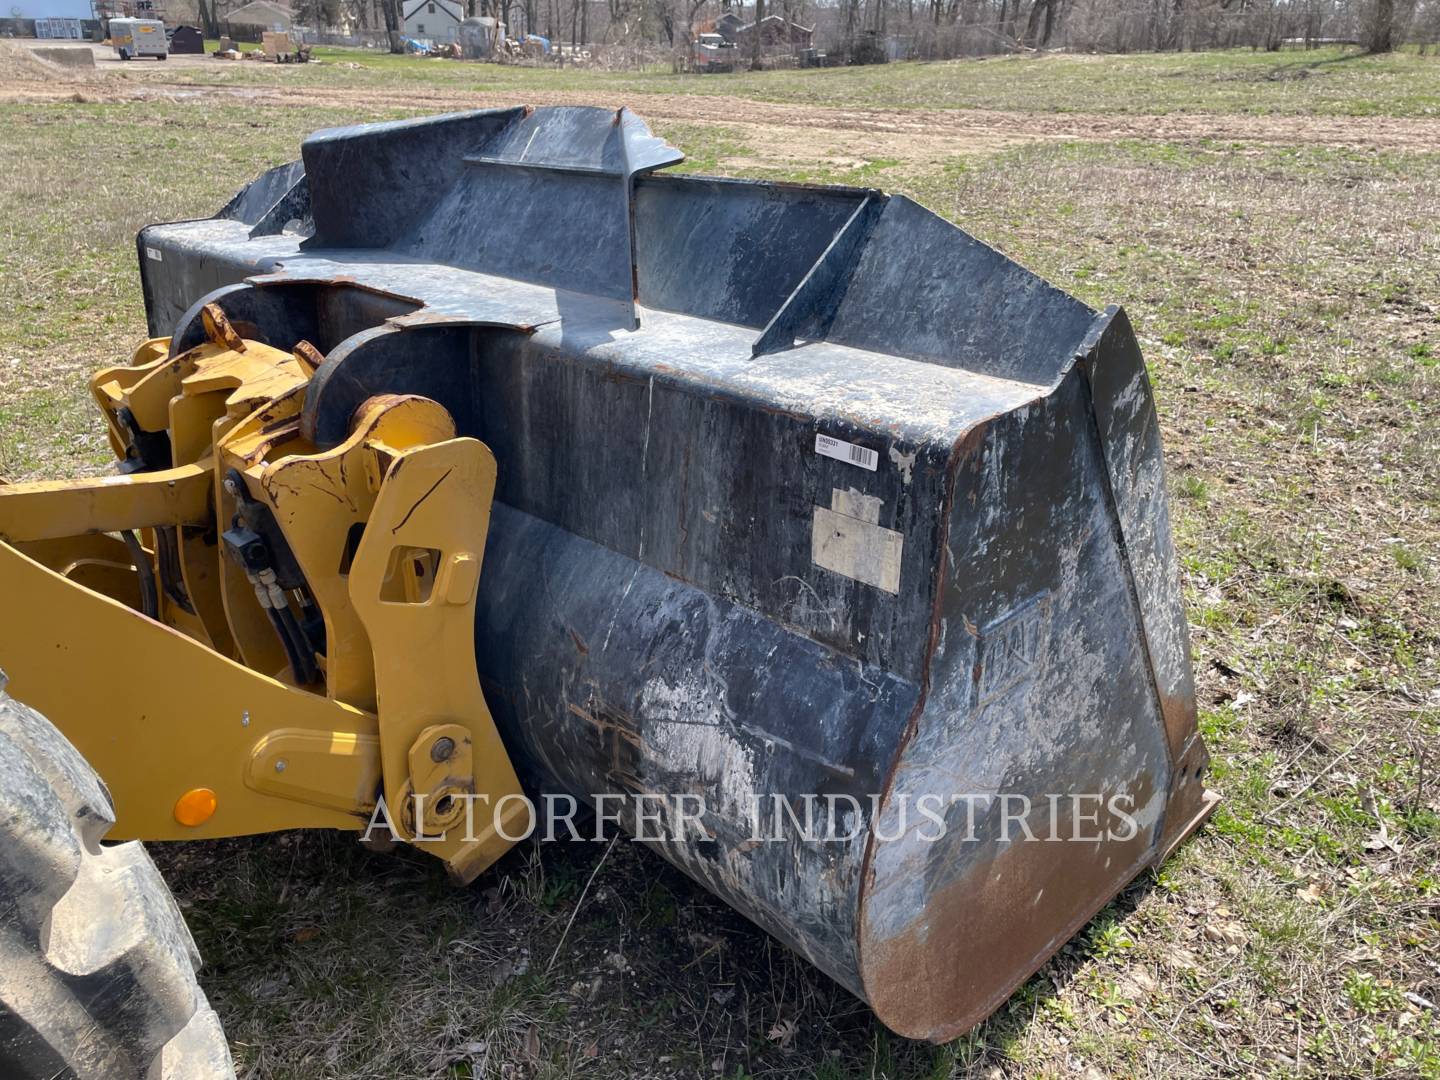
{"x":68,"y":270}
{"x":1286,"y":297}
{"x":1323,"y":82}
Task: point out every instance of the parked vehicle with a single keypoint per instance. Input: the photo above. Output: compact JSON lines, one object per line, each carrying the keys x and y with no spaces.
{"x":711,"y":52}
{"x":139,"y":37}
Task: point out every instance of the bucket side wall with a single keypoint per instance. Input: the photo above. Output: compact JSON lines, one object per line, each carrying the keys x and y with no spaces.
{"x":1040,"y":687}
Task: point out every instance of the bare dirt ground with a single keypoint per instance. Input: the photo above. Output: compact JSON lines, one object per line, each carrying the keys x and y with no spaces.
{"x":776,"y":132}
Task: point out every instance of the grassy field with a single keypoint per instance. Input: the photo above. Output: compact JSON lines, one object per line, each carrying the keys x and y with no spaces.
{"x":1325,"y":82}
{"x":1288,"y":297}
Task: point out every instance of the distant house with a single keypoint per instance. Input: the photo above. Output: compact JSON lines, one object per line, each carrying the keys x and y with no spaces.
{"x":776,"y":32}
{"x":728,"y":24}
{"x":262,"y":15}
{"x":434,"y":20}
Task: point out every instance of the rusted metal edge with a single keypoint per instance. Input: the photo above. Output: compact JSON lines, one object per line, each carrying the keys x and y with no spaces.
{"x":1179,"y":756}
{"x":964,"y":446}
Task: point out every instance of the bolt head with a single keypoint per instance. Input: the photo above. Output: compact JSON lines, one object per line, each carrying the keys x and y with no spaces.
{"x":280,"y":765}
{"x":442,"y":749}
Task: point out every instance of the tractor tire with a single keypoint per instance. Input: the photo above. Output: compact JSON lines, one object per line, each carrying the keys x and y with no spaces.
{"x":97,"y":967}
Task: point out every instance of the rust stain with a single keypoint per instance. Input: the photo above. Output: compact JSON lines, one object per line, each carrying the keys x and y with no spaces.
{"x":613,"y":374}
{"x":271,"y":427}
{"x":982,"y":934}
{"x":428,"y":317}
{"x":684,"y":499}
{"x":1179,"y":716}
{"x":962,"y":448}
{"x":308,"y":354}
{"x":299,"y":278}
{"x":619,"y":740}
{"x":1190,"y":801}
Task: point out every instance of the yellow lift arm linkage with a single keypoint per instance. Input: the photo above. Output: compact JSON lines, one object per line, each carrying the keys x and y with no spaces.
{"x":264,"y":635}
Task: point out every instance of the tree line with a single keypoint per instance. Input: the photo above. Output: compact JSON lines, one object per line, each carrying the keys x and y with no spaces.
{"x":867,"y":30}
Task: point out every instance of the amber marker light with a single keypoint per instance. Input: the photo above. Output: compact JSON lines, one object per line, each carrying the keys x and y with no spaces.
{"x":195,"y":807}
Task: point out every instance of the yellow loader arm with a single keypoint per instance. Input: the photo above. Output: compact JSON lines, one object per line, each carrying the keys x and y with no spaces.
{"x":191,"y":630}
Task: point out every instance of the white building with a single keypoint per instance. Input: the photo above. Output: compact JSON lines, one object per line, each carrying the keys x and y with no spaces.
{"x":433,"y":20}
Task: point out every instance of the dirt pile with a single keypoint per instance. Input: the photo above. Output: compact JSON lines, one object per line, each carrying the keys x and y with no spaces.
{"x":20,"y":64}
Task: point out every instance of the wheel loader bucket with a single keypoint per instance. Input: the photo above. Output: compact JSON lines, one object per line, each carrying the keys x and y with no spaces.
{"x":829,"y":553}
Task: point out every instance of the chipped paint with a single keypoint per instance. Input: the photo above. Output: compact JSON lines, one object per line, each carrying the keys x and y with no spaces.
{"x":904,"y":462}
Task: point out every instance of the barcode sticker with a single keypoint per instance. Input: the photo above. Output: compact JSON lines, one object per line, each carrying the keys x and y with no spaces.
{"x":844,"y":451}
{"x":153,"y":253}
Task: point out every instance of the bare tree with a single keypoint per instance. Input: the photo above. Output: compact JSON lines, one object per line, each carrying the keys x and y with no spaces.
{"x":1380,"y":30}
{"x":390,"y":10}
{"x":206,"y":15}
{"x":1040,"y":10}
{"x":866,"y":31}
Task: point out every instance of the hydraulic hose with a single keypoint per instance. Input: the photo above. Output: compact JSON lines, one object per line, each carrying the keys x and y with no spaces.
{"x":149,"y":594}
{"x":292,"y":639}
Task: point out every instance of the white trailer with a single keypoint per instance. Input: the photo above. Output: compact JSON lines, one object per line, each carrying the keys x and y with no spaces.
{"x":139,"y":37}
